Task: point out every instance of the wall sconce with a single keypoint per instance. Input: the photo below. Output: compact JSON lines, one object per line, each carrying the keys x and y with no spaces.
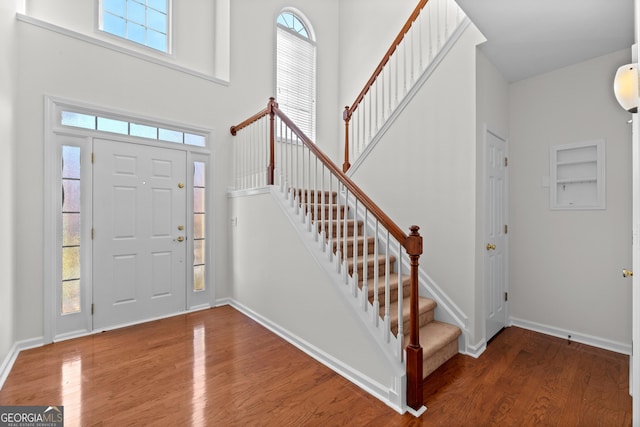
{"x":625,"y":87}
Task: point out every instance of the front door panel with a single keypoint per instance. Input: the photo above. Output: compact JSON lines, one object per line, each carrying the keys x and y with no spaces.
{"x":139,"y":260}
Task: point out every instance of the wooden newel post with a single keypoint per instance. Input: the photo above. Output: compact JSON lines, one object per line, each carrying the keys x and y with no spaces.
{"x":272,"y":140}
{"x":346,"y":116}
{"x":413,"y":245}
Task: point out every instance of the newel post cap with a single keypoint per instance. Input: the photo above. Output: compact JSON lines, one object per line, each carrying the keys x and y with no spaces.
{"x":413,"y":244}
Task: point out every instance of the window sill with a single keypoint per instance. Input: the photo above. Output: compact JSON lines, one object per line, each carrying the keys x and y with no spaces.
{"x":105,"y":44}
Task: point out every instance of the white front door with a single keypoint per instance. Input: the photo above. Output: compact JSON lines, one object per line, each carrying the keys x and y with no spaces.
{"x":139,"y":244}
{"x":495,"y":244}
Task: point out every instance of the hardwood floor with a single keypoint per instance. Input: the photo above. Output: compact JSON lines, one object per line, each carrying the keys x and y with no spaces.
{"x":218,"y":367}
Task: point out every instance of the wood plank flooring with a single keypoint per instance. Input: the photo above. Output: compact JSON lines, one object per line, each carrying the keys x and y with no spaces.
{"x":218,"y":367}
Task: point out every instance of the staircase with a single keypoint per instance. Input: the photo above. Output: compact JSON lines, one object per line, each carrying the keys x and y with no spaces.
{"x":374,"y":259}
{"x":439,"y":340}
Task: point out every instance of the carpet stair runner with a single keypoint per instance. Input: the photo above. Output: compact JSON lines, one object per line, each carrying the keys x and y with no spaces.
{"x":439,"y":340}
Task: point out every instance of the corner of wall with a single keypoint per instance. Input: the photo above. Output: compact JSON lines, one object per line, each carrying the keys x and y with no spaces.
{"x":8,"y":76}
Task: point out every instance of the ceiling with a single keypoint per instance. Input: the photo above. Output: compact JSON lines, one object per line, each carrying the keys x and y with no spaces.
{"x":527,"y":37}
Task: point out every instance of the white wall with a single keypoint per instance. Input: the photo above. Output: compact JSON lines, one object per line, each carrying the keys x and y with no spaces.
{"x":285,"y":285}
{"x":53,"y":64}
{"x":423,"y":172}
{"x":367,"y":28}
{"x":565,"y":268}
{"x":195,"y":17}
{"x":253,"y":69}
{"x":492,"y":107}
{"x":8,"y":73}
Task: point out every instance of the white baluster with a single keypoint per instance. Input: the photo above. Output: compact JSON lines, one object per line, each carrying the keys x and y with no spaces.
{"x":338,"y":243}
{"x":365,"y":257}
{"x":400,"y":334}
{"x":345,"y":234}
{"x":387,"y":291}
{"x":375,"y":315}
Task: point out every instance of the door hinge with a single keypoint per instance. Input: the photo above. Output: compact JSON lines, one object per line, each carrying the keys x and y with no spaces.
{"x":506,"y":296}
{"x":506,"y":229}
{"x":506,"y":161}
{"x":92,"y":309}
{"x":93,"y":157}
{"x":92,"y":233}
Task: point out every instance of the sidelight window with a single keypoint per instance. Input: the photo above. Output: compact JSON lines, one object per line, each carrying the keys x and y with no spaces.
{"x":199,"y":226}
{"x":70,"y":230}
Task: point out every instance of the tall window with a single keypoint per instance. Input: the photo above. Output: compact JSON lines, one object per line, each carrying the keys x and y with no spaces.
{"x":296,"y":71}
{"x":70,"y":230}
{"x":141,"y":21}
{"x":199,"y":226}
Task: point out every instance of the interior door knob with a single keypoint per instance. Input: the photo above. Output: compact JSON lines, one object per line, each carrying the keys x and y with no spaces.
{"x":627,"y":273}
{"x":491,"y":247}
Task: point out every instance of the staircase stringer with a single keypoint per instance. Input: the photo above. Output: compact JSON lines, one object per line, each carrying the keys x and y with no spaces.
{"x":390,"y":345}
{"x":411,"y":93}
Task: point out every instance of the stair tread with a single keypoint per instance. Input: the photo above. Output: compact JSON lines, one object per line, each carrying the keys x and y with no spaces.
{"x":393,"y":281}
{"x":434,"y":336}
{"x":372,"y":258}
{"x":424,"y":305}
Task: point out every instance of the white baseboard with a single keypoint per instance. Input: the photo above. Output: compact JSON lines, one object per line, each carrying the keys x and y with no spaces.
{"x":476,"y":351}
{"x":7,"y":363}
{"x":369,"y":385}
{"x":603,"y":343}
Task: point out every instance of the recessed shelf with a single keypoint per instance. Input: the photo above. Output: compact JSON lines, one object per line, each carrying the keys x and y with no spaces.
{"x":576,"y":180}
{"x":577,"y":176}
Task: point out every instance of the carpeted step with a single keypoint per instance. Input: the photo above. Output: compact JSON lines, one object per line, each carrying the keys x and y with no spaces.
{"x":426,"y":307}
{"x":370,"y":245}
{"x":335,"y":224}
{"x":393,"y":287}
{"x":439,"y":343}
{"x":370,"y":260}
{"x":330,"y":210}
{"x":306,"y":196}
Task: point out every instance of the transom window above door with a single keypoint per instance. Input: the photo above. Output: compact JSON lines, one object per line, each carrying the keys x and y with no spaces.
{"x":145,"y":22}
{"x":140,"y":129}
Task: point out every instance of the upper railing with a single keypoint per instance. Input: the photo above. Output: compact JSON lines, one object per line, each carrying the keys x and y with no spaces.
{"x":353,"y":232}
{"x":413,"y":50}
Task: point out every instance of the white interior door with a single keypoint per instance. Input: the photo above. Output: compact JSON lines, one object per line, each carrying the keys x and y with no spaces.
{"x":139,"y":245}
{"x":495,"y":261}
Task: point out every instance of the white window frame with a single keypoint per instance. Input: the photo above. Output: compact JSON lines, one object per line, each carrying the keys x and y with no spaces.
{"x":57,"y":135}
{"x":169,"y":45}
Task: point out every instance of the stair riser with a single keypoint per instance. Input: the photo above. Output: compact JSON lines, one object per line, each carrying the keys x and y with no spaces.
{"x":329,"y":210}
{"x":432,"y":363}
{"x":305,"y":197}
{"x":423,"y":319}
{"x":370,"y":270}
{"x":393,"y":296}
{"x":334,"y":228}
{"x":370,"y":246}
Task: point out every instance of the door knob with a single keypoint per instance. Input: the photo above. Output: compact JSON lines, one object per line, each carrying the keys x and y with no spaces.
{"x":180,"y":239}
{"x":627,"y":273}
{"x":491,"y":247}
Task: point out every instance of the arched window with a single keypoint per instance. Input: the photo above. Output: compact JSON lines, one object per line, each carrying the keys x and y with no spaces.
{"x":296,"y":71}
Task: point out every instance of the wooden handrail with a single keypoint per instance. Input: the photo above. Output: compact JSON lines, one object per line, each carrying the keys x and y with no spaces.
{"x":412,"y":242}
{"x":348,"y":110}
{"x":385,"y":58}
